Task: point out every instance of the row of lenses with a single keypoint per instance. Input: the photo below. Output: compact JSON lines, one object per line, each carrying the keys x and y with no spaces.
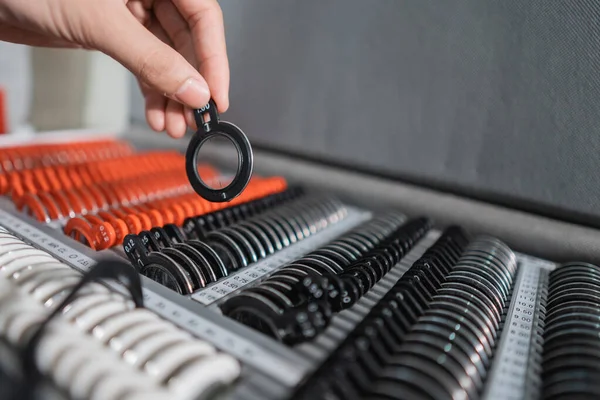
{"x":571,"y":357}
{"x":356,"y":280}
{"x":350,"y":369}
{"x":186,"y":266}
{"x":447,"y":353}
{"x":22,"y":157}
{"x":118,"y":192}
{"x":51,"y":205}
{"x":294,"y":304}
{"x":197,"y":227}
{"x":66,"y":177}
{"x":108,"y":227}
{"x":40,"y":275}
{"x":100,"y":346}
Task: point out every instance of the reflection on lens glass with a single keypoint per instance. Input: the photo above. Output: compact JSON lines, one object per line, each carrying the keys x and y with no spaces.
{"x":224,"y":146}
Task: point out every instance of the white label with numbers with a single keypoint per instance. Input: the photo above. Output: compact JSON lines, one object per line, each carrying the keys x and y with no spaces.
{"x":46,"y":242}
{"x":508,"y":375}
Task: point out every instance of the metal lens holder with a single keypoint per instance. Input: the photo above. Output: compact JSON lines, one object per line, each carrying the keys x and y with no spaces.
{"x":210,"y":126}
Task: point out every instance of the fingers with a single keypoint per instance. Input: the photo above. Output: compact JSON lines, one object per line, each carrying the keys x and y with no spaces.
{"x":205,"y":20}
{"x":155,"y":111}
{"x":175,"y":121}
{"x":161,"y":113}
{"x":140,"y":11}
{"x":189,"y":118}
{"x":154,"y":62}
{"x":178,"y":32}
{"x":176,"y":29}
{"x":156,"y":103}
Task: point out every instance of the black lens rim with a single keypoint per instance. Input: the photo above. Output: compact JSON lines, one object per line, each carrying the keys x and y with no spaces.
{"x":244,"y":168}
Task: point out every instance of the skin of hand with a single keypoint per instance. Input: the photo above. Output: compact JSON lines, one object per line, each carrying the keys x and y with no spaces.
{"x":175,"y":48}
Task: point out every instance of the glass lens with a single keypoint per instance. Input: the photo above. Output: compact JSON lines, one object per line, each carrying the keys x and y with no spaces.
{"x":226,"y":149}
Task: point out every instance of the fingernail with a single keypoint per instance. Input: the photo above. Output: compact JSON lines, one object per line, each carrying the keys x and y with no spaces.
{"x":193,"y":93}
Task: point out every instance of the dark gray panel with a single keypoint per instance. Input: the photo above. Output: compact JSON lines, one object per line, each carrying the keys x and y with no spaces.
{"x":500,"y":96}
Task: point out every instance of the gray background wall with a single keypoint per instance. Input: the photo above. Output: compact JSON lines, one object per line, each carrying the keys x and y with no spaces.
{"x":496,"y":96}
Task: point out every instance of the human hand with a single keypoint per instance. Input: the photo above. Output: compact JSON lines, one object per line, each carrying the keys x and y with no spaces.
{"x":176,"y":48}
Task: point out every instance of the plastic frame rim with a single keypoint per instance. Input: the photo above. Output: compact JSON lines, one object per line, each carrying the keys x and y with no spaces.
{"x":244,"y":168}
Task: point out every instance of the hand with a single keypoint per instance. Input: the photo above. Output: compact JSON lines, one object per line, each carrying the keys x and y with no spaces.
{"x":176,"y":48}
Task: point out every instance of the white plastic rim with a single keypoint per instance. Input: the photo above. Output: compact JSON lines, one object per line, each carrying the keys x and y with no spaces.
{"x":115,"y":385}
{"x":27,"y":259}
{"x":6,"y":291}
{"x":170,"y":360}
{"x":14,"y":252}
{"x":69,"y":362}
{"x":204,"y":375}
{"x":14,"y":306}
{"x":46,"y":291}
{"x":100,"y":363}
{"x":20,"y":324}
{"x":32,"y":275}
{"x":113,"y":326}
{"x":50,"y":347}
{"x":138,"y":354}
{"x":129,"y":337}
{"x":160,"y":394}
{"x":84,"y":303}
{"x":13,"y":246}
{"x":57,"y":337}
{"x":10,"y":240}
{"x":93,"y":316}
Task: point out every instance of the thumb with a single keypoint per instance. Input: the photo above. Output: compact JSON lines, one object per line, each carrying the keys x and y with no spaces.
{"x":155,"y":63}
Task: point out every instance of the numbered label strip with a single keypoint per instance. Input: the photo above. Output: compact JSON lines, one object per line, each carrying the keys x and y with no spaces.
{"x":512,"y":362}
{"x":46,"y":242}
{"x":237,"y":281}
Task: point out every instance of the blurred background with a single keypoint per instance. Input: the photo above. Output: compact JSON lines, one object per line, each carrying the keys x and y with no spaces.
{"x":494,"y":100}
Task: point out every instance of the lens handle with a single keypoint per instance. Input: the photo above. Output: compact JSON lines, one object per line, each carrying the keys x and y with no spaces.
{"x":209,"y":126}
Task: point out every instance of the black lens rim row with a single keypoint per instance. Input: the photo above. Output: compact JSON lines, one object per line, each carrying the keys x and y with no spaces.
{"x":341,"y":273}
{"x":364,"y":273}
{"x":364,"y":351}
{"x":193,"y":264}
{"x":571,"y":345}
{"x":327,"y":259}
{"x":280,"y":227}
{"x":471,"y":307}
{"x":196,"y":227}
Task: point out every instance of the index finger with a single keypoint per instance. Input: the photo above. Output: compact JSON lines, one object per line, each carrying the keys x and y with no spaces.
{"x":205,"y":20}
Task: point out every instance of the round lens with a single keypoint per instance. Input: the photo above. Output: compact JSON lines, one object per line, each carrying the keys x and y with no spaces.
{"x":160,"y":274}
{"x":227,"y":149}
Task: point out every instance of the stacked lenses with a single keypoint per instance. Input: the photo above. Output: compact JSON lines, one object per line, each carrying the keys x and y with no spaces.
{"x":99,"y":192}
{"x":101,"y":347}
{"x":571,"y":357}
{"x":433,"y":334}
{"x":211,"y":247}
{"x":296,"y":303}
{"x":350,"y":370}
{"x":448,"y":351}
{"x":165,"y":199}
